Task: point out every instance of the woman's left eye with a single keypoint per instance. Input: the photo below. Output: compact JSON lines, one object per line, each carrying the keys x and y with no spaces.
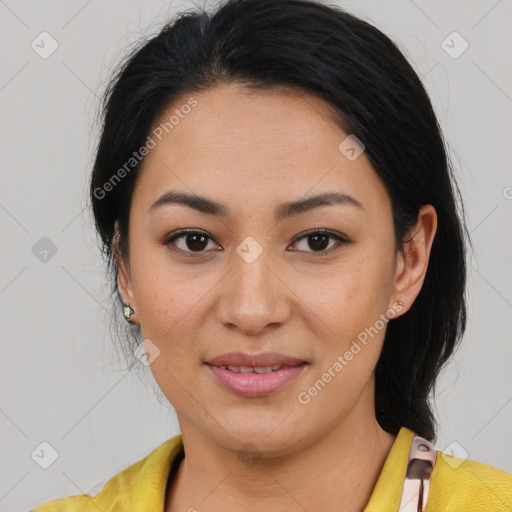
{"x":318,"y":240}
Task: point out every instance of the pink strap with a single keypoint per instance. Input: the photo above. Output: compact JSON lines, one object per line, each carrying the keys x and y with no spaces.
{"x":422,"y":459}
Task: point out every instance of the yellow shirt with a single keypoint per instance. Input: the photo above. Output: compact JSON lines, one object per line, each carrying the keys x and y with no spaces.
{"x":456,"y":485}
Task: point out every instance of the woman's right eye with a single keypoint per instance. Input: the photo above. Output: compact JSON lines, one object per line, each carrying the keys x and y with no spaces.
{"x":189,"y":242}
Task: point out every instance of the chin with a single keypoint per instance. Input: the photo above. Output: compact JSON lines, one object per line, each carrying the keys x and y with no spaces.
{"x":262,"y":439}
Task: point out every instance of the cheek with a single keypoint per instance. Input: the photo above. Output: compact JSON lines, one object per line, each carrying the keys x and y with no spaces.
{"x":164,"y":295}
{"x":347,"y":298}
{"x":168,"y":309}
{"x":346,"y":307}
{"x":346,"y":318}
{"x":171,"y":301}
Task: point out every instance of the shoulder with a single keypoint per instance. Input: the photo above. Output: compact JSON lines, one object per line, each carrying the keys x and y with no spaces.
{"x":141,"y":483}
{"x":463,"y":484}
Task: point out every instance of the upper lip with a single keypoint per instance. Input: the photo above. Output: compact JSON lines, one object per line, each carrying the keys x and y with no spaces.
{"x":263,"y":359}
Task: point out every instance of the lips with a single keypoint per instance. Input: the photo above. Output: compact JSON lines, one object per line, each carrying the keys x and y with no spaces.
{"x":254,"y":375}
{"x":262,"y":360}
{"x":251,"y":369}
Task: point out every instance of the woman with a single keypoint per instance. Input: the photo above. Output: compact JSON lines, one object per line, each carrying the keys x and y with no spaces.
{"x":277,"y":207}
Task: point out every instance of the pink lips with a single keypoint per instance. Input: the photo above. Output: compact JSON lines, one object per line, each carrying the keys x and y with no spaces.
{"x":255,"y":384}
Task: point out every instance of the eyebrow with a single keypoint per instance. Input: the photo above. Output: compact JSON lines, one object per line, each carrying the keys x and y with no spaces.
{"x":283,"y":211}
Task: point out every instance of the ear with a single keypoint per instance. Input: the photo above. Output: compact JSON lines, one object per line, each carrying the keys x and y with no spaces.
{"x":124,"y":281}
{"x":413,"y":261}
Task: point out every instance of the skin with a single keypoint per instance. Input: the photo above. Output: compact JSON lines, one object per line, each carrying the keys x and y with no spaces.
{"x":253,"y":151}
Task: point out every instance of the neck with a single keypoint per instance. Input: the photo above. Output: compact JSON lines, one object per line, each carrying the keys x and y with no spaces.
{"x":336,"y":472}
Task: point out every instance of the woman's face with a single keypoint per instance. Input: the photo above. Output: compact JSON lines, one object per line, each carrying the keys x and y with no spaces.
{"x":250,"y":280}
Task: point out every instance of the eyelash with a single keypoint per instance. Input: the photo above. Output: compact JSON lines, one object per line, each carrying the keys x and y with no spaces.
{"x":341,"y":239}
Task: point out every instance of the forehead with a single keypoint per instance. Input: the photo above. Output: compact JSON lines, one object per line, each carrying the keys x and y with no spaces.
{"x":277,"y":120}
{"x":277,"y":144}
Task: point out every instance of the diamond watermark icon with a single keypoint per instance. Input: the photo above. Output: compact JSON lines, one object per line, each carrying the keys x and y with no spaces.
{"x":44,"y":45}
{"x":249,"y":455}
{"x":249,"y":250}
{"x":44,"y":250}
{"x":454,"y":454}
{"x":147,"y":352}
{"x":351,"y":147}
{"x":44,"y":455}
{"x":454,"y":45}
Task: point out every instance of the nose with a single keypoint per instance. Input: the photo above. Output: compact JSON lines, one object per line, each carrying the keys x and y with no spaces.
{"x":253,"y":298}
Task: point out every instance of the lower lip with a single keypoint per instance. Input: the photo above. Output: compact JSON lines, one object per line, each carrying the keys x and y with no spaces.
{"x":257,"y":384}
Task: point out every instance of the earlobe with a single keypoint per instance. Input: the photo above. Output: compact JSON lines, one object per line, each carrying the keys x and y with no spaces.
{"x":413,"y":261}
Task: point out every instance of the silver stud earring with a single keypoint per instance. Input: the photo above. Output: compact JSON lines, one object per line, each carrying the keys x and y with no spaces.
{"x":128,"y":312}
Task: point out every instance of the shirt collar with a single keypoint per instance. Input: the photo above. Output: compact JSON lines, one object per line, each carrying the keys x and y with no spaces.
{"x":387,"y":492}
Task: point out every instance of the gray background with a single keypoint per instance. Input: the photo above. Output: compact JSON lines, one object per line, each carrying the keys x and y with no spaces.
{"x":60,"y":378}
